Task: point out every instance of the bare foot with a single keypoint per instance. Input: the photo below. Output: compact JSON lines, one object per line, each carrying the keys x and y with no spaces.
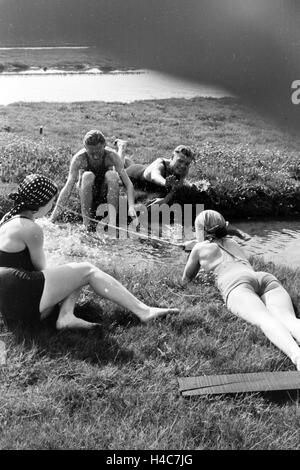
{"x":69,"y":321}
{"x":297,"y":363}
{"x":157,"y":313}
{"x":119,"y":143}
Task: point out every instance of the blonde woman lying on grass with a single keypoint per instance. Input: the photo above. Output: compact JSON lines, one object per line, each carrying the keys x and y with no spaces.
{"x":257,"y":297}
{"x":29,"y":290}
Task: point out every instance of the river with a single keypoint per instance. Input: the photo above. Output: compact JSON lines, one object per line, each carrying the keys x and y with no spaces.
{"x":125,"y":87}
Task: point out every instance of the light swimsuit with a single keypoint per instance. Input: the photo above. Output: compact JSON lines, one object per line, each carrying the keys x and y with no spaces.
{"x":233,"y":272}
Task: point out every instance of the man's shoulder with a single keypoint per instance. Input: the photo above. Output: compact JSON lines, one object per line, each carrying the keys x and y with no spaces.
{"x":160,"y":161}
{"x":79,"y":158}
{"x":111,"y":152}
{"x":112,"y":156}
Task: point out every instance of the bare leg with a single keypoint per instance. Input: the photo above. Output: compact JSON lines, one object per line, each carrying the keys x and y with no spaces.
{"x":86,"y":196}
{"x":246,"y":304}
{"x":279,"y":304}
{"x":62,"y":281}
{"x":108,"y":287}
{"x":121,"y":146}
{"x":66,"y":317}
{"x":113,"y":190}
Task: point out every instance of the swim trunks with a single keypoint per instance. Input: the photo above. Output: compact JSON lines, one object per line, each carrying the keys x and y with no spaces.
{"x":232,"y":274}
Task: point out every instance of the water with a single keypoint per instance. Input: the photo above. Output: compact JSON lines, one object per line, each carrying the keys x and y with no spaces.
{"x":277,"y":241}
{"x":125,"y":87}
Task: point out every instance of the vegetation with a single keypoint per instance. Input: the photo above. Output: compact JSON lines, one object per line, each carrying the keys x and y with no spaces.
{"x":245,"y":166}
{"x":116,"y":387}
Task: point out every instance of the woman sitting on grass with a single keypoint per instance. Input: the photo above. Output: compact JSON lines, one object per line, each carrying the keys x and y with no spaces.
{"x":257,"y":297}
{"x":29,"y":290}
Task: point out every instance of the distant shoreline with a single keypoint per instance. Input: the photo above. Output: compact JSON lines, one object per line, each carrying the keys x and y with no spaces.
{"x":67,"y":57}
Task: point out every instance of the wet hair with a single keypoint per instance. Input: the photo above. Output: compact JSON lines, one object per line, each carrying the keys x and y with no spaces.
{"x":34,"y":191}
{"x":93,"y":137}
{"x":186,"y":151}
{"x":213,"y":222}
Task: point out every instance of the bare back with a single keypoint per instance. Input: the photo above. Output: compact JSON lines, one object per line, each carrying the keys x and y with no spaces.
{"x":12,"y":234}
{"x":211,"y":255}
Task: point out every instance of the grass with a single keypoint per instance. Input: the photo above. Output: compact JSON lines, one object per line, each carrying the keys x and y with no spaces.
{"x":116,"y":387}
{"x":252,"y":167}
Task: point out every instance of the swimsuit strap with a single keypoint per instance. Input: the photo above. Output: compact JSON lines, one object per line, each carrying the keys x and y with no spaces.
{"x":16,"y":217}
{"x":165,"y":167}
{"x":237,"y":258}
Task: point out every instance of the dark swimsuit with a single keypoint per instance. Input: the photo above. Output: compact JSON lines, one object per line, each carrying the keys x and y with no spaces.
{"x":21,"y":288}
{"x":99,"y":188}
{"x":136,"y":175}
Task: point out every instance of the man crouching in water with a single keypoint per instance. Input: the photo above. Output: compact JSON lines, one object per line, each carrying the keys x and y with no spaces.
{"x":97,"y":169}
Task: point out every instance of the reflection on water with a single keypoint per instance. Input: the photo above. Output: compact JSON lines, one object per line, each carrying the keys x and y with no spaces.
{"x":122,"y":87}
{"x":275,"y":241}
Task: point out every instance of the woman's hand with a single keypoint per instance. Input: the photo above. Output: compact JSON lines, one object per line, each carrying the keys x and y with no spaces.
{"x":189,"y":245}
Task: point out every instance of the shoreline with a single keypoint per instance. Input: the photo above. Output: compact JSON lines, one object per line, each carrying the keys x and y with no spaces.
{"x":64,"y":57}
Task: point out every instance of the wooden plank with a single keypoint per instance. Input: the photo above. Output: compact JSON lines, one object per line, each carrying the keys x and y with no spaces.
{"x":239,"y":383}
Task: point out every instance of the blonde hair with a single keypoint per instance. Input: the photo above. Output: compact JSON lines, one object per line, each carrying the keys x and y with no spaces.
{"x":212,"y":221}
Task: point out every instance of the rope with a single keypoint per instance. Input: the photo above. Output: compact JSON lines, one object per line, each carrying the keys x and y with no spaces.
{"x":141,"y":235}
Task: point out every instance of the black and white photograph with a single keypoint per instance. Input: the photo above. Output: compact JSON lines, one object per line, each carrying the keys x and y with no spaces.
{"x":149,"y":228}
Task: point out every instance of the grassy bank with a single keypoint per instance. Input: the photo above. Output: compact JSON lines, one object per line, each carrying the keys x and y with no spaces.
{"x":116,"y":387}
{"x":252,"y":167}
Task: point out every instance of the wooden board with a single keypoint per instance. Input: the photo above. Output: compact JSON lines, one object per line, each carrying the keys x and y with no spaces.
{"x":239,"y":383}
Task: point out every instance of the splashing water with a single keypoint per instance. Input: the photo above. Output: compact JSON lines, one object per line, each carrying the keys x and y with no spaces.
{"x":275,"y":241}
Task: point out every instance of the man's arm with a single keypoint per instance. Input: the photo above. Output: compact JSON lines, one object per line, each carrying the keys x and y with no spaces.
{"x":153,"y":173}
{"x":119,"y":167}
{"x":75,"y":167}
{"x":192,"y":266}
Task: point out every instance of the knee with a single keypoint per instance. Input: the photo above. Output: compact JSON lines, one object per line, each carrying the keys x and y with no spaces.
{"x":128,"y":162}
{"x":112,"y":177}
{"x":86,"y":270}
{"x":88,"y":179}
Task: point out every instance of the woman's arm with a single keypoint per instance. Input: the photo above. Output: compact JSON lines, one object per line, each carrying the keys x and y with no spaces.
{"x":192,"y":266}
{"x":34,"y":240}
{"x":232,"y":230}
